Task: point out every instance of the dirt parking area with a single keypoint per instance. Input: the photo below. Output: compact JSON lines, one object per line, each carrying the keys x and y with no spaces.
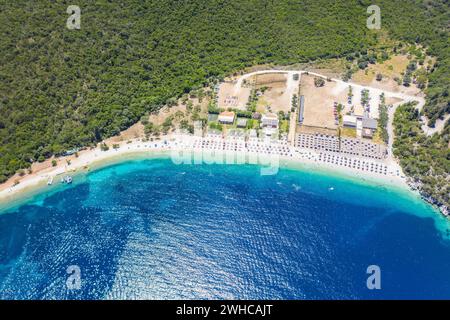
{"x":319,"y":102}
{"x":277,"y":94}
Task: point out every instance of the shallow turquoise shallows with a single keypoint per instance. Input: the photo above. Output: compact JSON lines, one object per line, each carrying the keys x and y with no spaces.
{"x":153,"y":229}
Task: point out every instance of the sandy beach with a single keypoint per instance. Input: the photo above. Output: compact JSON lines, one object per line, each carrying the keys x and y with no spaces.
{"x":270,"y":157}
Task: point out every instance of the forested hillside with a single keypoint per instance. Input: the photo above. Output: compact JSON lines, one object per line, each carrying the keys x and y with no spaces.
{"x":62,"y":88}
{"x":425,"y":159}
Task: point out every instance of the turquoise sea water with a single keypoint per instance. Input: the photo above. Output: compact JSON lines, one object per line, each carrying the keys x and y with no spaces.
{"x":153,"y":229}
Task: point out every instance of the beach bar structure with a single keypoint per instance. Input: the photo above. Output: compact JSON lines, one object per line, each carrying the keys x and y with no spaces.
{"x":227,"y":117}
{"x":241,"y":123}
{"x":269,"y":120}
{"x":370,"y":126}
{"x":301,"y":110}
{"x":369,"y":123}
{"x":350,"y":121}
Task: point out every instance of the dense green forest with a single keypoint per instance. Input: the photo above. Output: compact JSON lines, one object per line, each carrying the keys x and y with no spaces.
{"x":62,"y":88}
{"x":424,"y":159}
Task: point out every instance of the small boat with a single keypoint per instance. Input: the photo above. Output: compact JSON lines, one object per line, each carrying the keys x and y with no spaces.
{"x":50,"y":181}
{"x":67,"y":179}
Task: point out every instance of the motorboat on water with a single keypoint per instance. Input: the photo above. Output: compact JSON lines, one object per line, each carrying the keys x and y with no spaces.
{"x":67,"y":179}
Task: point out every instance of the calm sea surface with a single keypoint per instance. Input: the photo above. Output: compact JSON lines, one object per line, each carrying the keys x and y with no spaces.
{"x":152,"y":229}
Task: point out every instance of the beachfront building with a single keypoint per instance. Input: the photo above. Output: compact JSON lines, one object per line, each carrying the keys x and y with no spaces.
{"x":370,"y":124}
{"x":359,"y":127}
{"x":269,"y":120}
{"x":301,"y":110}
{"x":256,"y":116}
{"x":227,"y":117}
{"x":241,"y":123}
{"x":368,"y":127}
{"x":365,"y":126}
{"x":349,"y":121}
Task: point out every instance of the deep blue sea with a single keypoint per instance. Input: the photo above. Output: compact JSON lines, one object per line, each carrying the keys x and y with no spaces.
{"x":150,"y":229}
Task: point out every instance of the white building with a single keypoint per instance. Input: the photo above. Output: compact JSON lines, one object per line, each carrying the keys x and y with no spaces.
{"x":359,"y":127}
{"x":370,"y":126}
{"x":269,"y":120}
{"x":349,"y":121}
{"x":369,"y":123}
{"x":227,"y":117}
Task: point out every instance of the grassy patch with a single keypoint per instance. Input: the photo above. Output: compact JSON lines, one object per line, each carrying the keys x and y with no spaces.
{"x":377,"y":137}
{"x":284,"y":126}
{"x":391,"y":68}
{"x":348,"y":132}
